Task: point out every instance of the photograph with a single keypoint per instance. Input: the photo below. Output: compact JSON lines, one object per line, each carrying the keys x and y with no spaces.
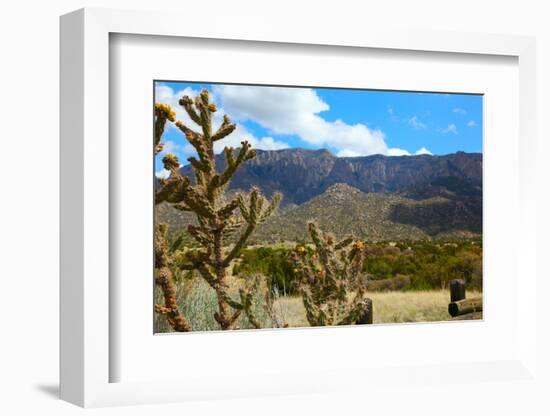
{"x":307,"y":206}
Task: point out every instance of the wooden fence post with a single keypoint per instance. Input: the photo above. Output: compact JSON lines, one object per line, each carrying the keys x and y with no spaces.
{"x":458,"y":290}
{"x":366,"y":318}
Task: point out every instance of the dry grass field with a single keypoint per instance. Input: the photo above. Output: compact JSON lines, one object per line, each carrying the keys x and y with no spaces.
{"x":388,"y":307}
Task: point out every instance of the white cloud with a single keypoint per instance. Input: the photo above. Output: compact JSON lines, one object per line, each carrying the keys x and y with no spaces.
{"x":268,"y":143}
{"x":451,"y":128}
{"x":241,"y":133}
{"x":398,"y":152}
{"x":471,"y":123}
{"x":391,"y":152}
{"x":178,"y":149}
{"x":423,"y":151}
{"x":347,"y":153}
{"x":459,"y":110}
{"x":393,"y":115}
{"x":295,"y":111}
{"x":162,"y":174}
{"x":416,"y":123}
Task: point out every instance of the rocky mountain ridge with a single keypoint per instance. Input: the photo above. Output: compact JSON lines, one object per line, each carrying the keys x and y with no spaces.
{"x":302,"y":174}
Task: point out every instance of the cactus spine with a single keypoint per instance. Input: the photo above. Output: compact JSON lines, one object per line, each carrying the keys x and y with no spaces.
{"x":330,"y":278}
{"x":217,"y":218}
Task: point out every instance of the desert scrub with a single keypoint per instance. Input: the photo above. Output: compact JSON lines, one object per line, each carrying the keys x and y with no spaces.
{"x":198,"y":302}
{"x":330,"y":279}
{"x":217,"y":218}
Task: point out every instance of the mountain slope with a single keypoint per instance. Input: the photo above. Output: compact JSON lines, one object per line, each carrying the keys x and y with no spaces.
{"x":345,"y":210}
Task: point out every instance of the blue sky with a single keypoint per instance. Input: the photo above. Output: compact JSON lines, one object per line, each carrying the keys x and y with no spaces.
{"x":346,"y":122}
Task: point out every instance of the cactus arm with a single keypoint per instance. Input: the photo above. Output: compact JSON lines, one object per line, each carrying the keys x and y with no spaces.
{"x":163,"y":113}
{"x":275,"y":202}
{"x":186,"y":266}
{"x":227,"y":210}
{"x":201,"y":144}
{"x":225,"y":129}
{"x":245,"y":153}
{"x":254,"y":213}
{"x":191,"y":135}
{"x":176,"y":319}
{"x":182,"y":207}
{"x":178,"y":189}
{"x":187,"y":104}
{"x":205,"y":109}
{"x":199,"y":235}
{"x":172,"y":189}
{"x":227,"y":323}
{"x":239,"y":244}
{"x":247,"y":303}
{"x":198,"y":165}
{"x":206,"y":274}
{"x":343,"y":243}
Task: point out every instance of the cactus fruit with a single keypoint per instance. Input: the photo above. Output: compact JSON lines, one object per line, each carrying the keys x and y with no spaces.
{"x":330,"y":279}
{"x":217,"y":218}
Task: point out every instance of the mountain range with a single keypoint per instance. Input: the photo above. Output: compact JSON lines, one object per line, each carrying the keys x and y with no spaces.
{"x":373,"y":197}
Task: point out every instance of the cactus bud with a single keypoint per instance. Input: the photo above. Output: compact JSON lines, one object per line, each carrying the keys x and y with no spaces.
{"x":204,"y":96}
{"x":359,"y":245}
{"x":185,"y":100}
{"x":171,"y":162}
{"x":164,"y":110}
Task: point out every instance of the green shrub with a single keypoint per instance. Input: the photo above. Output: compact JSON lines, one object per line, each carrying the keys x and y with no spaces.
{"x":272,"y":262}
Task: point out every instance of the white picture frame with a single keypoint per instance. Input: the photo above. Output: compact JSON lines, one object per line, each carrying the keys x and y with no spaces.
{"x":86,"y":356}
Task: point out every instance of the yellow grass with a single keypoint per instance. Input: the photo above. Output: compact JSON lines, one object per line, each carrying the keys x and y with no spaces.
{"x":388,"y":307}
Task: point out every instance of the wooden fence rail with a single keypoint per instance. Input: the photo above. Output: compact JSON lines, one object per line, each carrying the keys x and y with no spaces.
{"x":366,"y":318}
{"x":461,"y":308}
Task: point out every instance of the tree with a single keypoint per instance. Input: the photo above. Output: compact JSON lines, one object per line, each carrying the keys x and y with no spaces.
{"x":217,"y":218}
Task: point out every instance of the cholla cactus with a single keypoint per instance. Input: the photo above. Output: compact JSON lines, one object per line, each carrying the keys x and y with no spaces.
{"x":330,"y":279}
{"x":217,"y":218}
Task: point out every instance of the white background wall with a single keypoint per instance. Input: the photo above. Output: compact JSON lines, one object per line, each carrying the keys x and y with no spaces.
{"x":29,"y":57}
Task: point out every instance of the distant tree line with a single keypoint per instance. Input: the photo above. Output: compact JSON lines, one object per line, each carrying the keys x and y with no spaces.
{"x":429,"y":264}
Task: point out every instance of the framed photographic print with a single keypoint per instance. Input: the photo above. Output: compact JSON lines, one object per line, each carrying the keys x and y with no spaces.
{"x":281,"y":213}
{"x":337,"y":210}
